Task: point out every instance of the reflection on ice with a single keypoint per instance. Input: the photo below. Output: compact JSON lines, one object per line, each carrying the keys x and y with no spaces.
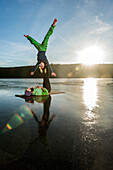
{"x":84,"y":118}
{"x":90,"y":98}
{"x":90,"y":117}
{"x":90,"y":93}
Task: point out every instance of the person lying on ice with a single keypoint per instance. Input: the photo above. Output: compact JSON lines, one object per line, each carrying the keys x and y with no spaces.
{"x":37,"y":91}
{"x":41,"y":57}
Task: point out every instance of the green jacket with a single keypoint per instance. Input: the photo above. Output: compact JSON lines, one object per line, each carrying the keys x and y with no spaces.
{"x":40,"y":92}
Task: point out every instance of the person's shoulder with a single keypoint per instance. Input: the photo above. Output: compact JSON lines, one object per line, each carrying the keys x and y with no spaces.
{"x":45,"y":91}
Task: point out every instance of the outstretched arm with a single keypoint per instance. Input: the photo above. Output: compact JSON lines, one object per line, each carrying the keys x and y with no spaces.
{"x":50,"y":120}
{"x":34,"y":116}
{"x":52,"y":72}
{"x":36,"y":66}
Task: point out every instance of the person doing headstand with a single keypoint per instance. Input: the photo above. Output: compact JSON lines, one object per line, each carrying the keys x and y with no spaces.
{"x":42,"y":61}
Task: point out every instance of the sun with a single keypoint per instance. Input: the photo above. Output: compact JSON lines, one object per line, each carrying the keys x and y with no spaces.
{"x":91,"y":55}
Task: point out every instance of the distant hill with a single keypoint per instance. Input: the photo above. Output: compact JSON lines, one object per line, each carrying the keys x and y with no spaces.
{"x":62,"y":71}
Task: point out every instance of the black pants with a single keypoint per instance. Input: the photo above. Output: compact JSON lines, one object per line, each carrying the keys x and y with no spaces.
{"x":46,"y":81}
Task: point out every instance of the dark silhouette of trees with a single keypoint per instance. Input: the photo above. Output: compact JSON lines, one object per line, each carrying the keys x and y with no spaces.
{"x":61,"y":70}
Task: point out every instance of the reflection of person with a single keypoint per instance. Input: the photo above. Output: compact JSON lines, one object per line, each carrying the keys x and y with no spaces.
{"x":41,"y":57}
{"x":43,"y":125}
{"x":44,"y":122}
{"x":38,"y":99}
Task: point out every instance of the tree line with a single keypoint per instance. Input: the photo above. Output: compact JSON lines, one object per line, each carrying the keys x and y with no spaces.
{"x":61,"y":70}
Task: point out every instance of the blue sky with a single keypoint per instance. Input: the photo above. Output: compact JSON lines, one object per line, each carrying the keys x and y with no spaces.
{"x":81,"y":24}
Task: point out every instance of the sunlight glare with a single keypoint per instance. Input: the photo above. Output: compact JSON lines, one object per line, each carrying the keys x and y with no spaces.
{"x":90,"y":97}
{"x":91,"y":55}
{"x":90,"y":93}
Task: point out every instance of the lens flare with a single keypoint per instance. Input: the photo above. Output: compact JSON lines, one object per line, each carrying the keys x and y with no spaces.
{"x":14,"y":122}
{"x":9,"y":126}
{"x":24,"y":113}
{"x":26,"y":110}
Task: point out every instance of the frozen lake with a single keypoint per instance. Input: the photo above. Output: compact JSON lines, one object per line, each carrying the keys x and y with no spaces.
{"x":73,"y":130}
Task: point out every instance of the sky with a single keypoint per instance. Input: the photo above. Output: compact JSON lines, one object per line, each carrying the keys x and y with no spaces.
{"x":84,"y":31}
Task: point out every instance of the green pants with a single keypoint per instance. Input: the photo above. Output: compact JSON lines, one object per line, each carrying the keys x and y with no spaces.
{"x":43,"y":45}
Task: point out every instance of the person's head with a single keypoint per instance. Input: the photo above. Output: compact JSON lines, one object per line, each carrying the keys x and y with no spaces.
{"x":29,"y":91}
{"x":32,"y":89}
{"x":42,"y":65}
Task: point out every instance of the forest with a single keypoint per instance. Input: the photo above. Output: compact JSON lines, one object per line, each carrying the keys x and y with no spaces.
{"x":61,"y":70}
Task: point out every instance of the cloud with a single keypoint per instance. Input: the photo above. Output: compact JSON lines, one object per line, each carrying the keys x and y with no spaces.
{"x":4,"y":63}
{"x":14,"y":45}
{"x":14,"y":53}
{"x":101,"y":14}
{"x":89,"y":2}
{"x":100,"y":26}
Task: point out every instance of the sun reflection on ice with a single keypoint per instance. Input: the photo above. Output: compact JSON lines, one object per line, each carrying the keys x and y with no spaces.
{"x":90,"y":93}
{"x":90,"y":116}
{"x":90,"y":97}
